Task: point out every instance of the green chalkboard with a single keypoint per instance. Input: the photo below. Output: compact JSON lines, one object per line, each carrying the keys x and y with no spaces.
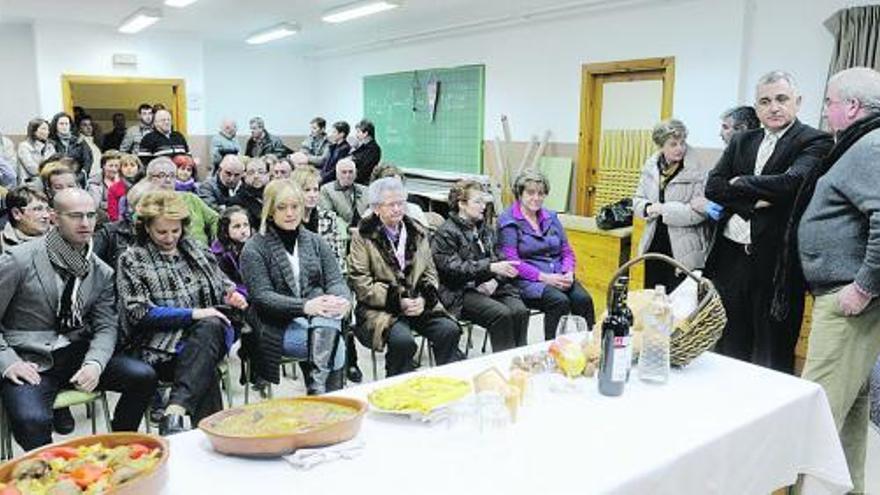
{"x":451,"y":139}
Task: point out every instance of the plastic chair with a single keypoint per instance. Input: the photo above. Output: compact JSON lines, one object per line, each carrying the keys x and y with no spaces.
{"x":65,"y":398}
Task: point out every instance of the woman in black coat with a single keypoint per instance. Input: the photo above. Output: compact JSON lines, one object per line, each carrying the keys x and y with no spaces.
{"x":70,"y":144}
{"x":474,"y":282}
{"x":297,"y":293}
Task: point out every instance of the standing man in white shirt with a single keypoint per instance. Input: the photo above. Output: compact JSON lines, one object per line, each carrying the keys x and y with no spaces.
{"x":755,"y":182}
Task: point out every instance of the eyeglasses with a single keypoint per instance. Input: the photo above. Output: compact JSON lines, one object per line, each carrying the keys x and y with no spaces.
{"x":79,"y":216}
{"x":162,"y":176}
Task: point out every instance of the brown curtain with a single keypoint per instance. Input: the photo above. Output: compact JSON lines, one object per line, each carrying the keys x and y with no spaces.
{"x":857,"y":38}
{"x":856,"y":32}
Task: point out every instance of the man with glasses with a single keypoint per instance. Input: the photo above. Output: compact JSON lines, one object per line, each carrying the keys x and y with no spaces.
{"x":219,"y":190}
{"x":755,"y":182}
{"x":838,"y":239}
{"x":250,"y":194}
{"x":58,"y":327}
{"x":28,"y":217}
{"x":202,"y":218}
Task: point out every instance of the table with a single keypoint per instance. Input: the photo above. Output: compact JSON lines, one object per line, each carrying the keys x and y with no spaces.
{"x":720,"y":426}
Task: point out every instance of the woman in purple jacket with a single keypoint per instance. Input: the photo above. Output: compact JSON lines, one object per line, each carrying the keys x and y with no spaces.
{"x":533,"y":235}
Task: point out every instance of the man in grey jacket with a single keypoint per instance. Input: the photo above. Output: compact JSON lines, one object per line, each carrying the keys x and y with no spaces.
{"x":839,"y":246}
{"x":219,"y":190}
{"x":58,"y":327}
{"x":224,"y":143}
{"x":131,"y":142}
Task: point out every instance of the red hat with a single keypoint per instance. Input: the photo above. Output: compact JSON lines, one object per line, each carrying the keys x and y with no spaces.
{"x":183,"y":161}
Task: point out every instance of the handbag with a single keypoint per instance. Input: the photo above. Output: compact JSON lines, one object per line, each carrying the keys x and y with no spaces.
{"x":615,"y":215}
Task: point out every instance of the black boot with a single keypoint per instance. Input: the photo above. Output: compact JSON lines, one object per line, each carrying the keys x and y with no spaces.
{"x":62,"y":421}
{"x":334,"y":381}
{"x":306,"y":368}
{"x":171,"y":424}
{"x":352,"y":372}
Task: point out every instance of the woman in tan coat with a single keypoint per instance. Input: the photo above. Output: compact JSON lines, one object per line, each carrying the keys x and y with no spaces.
{"x":672,"y":181}
{"x":392,"y":273}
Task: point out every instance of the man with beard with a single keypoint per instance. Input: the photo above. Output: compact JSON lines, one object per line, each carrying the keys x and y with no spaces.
{"x":250,"y":195}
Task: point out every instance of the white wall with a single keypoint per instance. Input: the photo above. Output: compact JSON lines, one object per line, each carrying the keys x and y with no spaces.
{"x":533,"y":71}
{"x":242,"y":82}
{"x":65,"y":48}
{"x":18,"y":82}
{"x":790,"y":35}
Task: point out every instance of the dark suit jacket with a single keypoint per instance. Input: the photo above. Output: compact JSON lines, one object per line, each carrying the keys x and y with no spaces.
{"x":328,"y":168}
{"x":800,"y":148}
{"x":366,"y":157}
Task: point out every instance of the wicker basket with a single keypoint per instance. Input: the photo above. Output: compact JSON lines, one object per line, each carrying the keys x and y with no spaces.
{"x":701,"y":329}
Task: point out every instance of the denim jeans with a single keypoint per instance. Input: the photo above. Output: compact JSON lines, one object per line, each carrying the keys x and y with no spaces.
{"x":325,"y":332}
{"x":29,"y":407}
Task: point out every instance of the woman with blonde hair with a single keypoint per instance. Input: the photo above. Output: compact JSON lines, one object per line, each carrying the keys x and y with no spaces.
{"x":298,"y":294}
{"x":172,"y":296}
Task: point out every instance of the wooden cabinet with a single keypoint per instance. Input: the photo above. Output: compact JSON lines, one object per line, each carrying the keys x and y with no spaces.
{"x":599,"y":253}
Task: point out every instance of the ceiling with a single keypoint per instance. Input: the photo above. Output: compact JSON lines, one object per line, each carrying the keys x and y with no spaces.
{"x":234,"y":20}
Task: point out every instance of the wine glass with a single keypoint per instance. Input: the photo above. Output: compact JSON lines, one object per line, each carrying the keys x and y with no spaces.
{"x":573,"y":326}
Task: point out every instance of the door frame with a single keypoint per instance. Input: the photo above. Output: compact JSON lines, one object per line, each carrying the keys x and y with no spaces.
{"x":593,"y":76}
{"x":178,"y":87}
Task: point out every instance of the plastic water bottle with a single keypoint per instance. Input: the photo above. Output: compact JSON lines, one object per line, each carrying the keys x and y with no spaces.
{"x":654,"y":356}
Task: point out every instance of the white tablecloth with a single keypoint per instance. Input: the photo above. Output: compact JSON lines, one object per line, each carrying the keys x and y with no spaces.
{"x":719,"y":426}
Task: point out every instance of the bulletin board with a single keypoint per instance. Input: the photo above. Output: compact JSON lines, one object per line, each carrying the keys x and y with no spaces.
{"x":412,"y":132}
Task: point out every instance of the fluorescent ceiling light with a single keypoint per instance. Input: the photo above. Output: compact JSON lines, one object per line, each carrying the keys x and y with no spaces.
{"x":282,"y":30}
{"x":179,"y":3}
{"x":140,"y":20}
{"x":359,"y":9}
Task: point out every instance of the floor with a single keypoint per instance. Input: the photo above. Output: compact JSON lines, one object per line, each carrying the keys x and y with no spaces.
{"x":290,"y":387}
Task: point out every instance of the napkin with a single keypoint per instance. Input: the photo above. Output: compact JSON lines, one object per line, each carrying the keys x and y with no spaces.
{"x":309,"y":458}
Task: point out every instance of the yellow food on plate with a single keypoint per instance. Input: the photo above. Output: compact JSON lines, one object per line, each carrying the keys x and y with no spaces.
{"x":421,"y":394}
{"x":283,"y":417}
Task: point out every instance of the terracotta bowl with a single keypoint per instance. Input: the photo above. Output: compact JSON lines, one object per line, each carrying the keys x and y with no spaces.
{"x":148,"y":483}
{"x":278,"y":445}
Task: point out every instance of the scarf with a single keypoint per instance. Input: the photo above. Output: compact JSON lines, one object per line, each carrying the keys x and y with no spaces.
{"x":668,"y":171}
{"x":73,"y":266}
{"x":287,"y":237}
{"x":281,"y":243}
{"x":788,"y":276}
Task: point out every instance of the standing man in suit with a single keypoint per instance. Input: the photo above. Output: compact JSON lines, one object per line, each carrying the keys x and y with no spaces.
{"x":339,"y":149}
{"x":367,"y":153}
{"x":58,"y":327}
{"x":755,"y":183}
